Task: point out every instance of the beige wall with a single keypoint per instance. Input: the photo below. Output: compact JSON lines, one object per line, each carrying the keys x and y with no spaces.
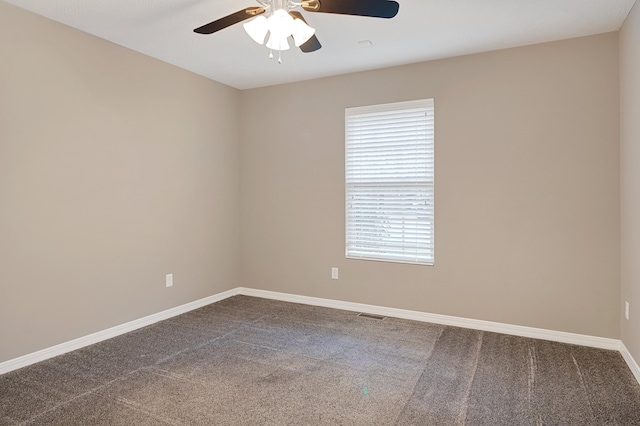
{"x":115,"y":169}
{"x":630,"y":178}
{"x":527,"y":187}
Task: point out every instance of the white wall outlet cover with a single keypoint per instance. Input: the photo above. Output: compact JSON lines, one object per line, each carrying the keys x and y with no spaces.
{"x":626,"y":310}
{"x":169,"y":280}
{"x":334,"y":273}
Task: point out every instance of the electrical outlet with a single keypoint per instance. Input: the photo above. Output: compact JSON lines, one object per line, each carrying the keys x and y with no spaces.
{"x":334,"y":273}
{"x":169,"y":280}
{"x":626,"y":310}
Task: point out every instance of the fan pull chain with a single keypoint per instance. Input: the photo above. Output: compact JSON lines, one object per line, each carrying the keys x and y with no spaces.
{"x":279,"y":55}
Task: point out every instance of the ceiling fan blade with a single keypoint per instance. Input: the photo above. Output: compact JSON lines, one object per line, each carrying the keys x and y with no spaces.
{"x":229,"y":20}
{"x":310,"y":45}
{"x":373,"y":8}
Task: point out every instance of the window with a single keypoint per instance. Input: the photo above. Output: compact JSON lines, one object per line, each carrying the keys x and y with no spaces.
{"x":390,"y":182}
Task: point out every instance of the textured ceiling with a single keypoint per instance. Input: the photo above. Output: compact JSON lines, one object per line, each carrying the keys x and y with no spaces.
{"x":422,"y":30}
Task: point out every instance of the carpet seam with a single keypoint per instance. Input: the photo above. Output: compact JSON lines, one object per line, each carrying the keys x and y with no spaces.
{"x":533,"y":365}
{"x":584,"y":386}
{"x":138,"y":408}
{"x":426,"y":363}
{"x":87,"y":393}
{"x":473,"y":376}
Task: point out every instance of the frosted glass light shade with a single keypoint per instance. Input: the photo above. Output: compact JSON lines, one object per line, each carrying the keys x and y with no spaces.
{"x":280,"y":23}
{"x":277,"y":43}
{"x":257,"y":28}
{"x":301,"y":32}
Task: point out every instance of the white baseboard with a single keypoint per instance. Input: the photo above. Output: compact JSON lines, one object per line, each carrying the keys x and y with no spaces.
{"x":516,"y":330}
{"x":90,"y":339}
{"x":633,"y":365}
{"x":496,"y":327}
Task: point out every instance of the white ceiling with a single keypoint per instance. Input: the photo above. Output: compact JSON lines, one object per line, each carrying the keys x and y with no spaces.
{"x":422,"y":30}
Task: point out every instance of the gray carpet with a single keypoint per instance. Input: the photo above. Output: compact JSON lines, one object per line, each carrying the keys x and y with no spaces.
{"x":250,"y":361}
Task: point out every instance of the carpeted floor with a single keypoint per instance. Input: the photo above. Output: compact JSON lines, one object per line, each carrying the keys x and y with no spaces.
{"x":250,"y":361}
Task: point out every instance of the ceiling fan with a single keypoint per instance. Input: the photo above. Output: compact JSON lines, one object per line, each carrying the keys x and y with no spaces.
{"x":277,"y":19}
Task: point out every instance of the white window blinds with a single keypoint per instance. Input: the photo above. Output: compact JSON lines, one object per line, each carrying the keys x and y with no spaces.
{"x":390,"y":182}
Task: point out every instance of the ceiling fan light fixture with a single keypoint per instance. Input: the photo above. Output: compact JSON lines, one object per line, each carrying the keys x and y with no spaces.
{"x":257,"y":28}
{"x":277,"y":28}
{"x":301,"y":32}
